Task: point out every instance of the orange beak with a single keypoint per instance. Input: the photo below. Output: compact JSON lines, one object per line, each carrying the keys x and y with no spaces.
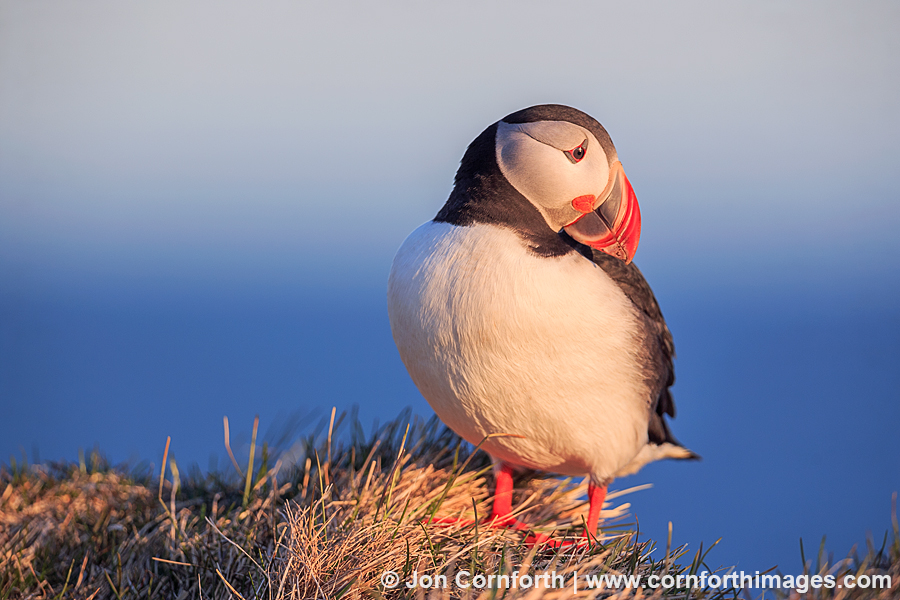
{"x":612,"y":223}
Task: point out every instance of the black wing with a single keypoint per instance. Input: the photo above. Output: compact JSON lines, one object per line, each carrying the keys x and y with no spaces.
{"x":659,"y":349}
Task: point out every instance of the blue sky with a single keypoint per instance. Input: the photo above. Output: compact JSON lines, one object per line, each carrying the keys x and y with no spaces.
{"x":199,"y":204}
{"x":244,"y":135}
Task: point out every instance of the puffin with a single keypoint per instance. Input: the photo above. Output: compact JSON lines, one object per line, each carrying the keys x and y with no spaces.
{"x":523,"y":321}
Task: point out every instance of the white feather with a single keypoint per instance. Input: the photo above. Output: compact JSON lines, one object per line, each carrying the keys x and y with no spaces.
{"x":499,"y":340}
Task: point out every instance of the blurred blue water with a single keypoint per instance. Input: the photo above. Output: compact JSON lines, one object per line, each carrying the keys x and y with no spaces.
{"x":790,"y":396}
{"x":793,"y":402}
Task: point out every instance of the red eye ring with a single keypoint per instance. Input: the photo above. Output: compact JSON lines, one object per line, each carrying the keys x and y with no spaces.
{"x":576,"y":154}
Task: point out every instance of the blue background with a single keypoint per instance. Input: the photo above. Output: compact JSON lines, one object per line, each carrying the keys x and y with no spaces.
{"x":199,"y":205}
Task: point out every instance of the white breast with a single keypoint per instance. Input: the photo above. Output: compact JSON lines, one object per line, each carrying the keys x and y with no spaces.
{"x":500,"y":340}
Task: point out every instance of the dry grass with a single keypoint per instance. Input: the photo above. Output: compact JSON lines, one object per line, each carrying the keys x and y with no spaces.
{"x":325,"y":528}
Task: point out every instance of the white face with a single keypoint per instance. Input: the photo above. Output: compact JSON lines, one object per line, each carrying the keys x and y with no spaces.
{"x":538,"y":160}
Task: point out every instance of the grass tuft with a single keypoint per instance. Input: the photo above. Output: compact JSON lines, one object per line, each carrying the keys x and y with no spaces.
{"x":308,"y":528}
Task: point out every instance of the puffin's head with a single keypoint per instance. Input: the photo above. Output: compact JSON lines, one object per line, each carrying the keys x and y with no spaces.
{"x":564,"y":163}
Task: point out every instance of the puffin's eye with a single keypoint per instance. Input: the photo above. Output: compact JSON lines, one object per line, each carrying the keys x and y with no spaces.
{"x":576,"y":154}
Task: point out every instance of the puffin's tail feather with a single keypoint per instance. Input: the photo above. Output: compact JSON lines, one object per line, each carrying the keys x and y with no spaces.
{"x":653,"y":452}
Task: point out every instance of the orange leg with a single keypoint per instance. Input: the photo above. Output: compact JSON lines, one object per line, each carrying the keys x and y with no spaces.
{"x":596,"y":495}
{"x":501,"y":511}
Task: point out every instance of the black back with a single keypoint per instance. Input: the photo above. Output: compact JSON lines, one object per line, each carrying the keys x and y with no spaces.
{"x":658,"y":347}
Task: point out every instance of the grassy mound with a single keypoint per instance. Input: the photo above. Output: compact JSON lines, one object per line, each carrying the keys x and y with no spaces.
{"x":327,"y":522}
